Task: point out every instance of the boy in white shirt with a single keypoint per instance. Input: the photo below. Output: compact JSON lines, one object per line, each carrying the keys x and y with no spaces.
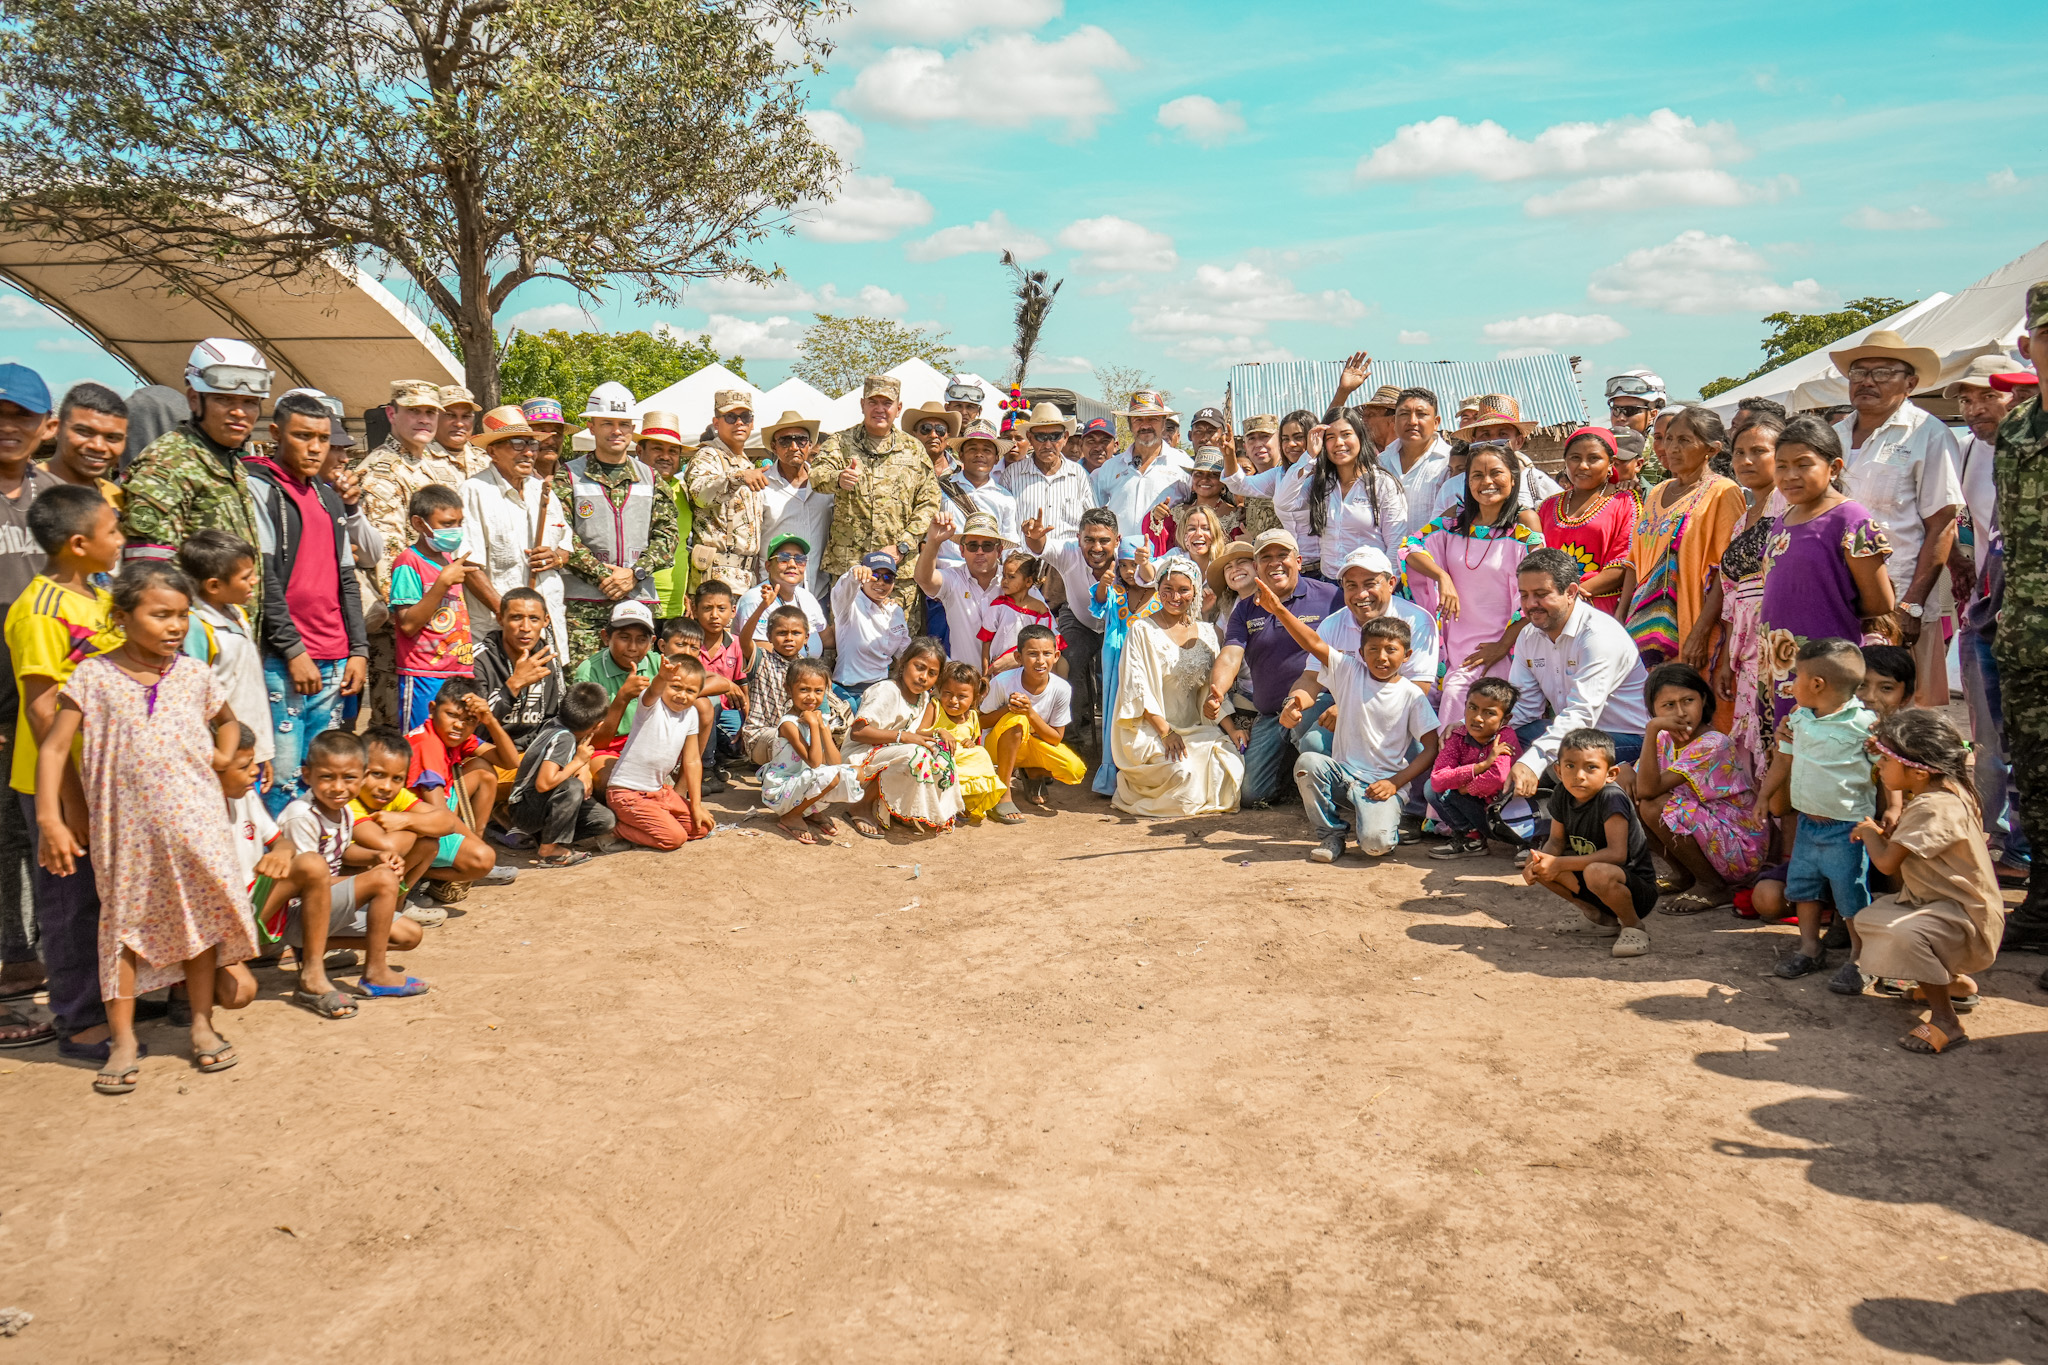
{"x":1377,"y":716}
{"x":222,"y":567}
{"x":650,"y":809}
{"x":868,"y":627}
{"x":1026,"y":712}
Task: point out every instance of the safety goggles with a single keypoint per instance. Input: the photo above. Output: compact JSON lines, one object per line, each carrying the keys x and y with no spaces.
{"x":1634,"y":385}
{"x":236,"y":379}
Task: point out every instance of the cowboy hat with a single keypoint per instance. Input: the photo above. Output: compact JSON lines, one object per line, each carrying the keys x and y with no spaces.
{"x":1885,"y":344}
{"x":930,"y":412}
{"x":1494,"y":410}
{"x":663,"y":426}
{"x":501,"y":424}
{"x":1147,"y":403}
{"x":1222,"y":555}
{"x":790,"y":418}
{"x":980,"y":429}
{"x":1980,"y":373}
{"x":1045,"y":415}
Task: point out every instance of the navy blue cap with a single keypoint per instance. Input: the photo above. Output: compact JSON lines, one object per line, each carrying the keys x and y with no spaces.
{"x":878,"y":561}
{"x":21,"y":385}
{"x":1095,"y":424}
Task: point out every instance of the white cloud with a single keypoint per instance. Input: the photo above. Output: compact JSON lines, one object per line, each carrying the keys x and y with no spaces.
{"x":787,"y":296}
{"x":17,"y":311}
{"x":1444,"y":146}
{"x":1240,"y":300}
{"x":868,"y":208}
{"x":1698,"y":273}
{"x":569,"y":317}
{"x":1202,"y":120}
{"x":1555,"y":329}
{"x":1655,"y":189}
{"x":942,"y":21}
{"x":1118,"y":244}
{"x":1062,"y":364}
{"x":1234,"y":350}
{"x":1522,"y":352}
{"x":1912,"y":218}
{"x":838,"y":132}
{"x":773,"y":338}
{"x":1004,"y":81}
{"x":992,"y":234}
{"x":1413,"y":338}
{"x":2002,"y":181}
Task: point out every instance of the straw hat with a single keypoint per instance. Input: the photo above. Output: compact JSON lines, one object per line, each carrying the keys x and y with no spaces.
{"x":790,"y":418}
{"x":1223,"y":554}
{"x":1494,"y":410}
{"x":1147,"y":403}
{"x":1386,"y":396}
{"x":930,"y":412}
{"x":501,"y":424}
{"x":1885,"y":344}
{"x":663,"y":426}
{"x":984,"y":524}
{"x":980,"y":429}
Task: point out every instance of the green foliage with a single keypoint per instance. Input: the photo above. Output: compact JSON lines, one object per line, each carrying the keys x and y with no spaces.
{"x":1117,"y":383}
{"x":1795,"y":334}
{"x":568,"y":365}
{"x":837,"y":353}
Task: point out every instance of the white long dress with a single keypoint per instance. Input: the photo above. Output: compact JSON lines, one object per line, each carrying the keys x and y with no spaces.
{"x":1170,"y":680}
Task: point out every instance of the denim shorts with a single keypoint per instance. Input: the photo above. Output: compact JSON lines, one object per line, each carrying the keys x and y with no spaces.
{"x":1828,"y":864}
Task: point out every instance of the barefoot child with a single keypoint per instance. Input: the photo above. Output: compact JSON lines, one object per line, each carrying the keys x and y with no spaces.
{"x":960,"y":691}
{"x":1026,"y":712}
{"x":1824,"y":765}
{"x":172,"y":902}
{"x":1472,"y":768}
{"x":551,"y":795}
{"x":1693,"y":793}
{"x":1597,"y":856}
{"x":804,"y":774}
{"x":1948,"y":916}
{"x":653,"y":810}
{"x":221,"y":567}
{"x":906,"y":766}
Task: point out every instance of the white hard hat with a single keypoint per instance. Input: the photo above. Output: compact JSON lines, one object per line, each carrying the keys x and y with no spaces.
{"x":226,"y":365}
{"x":610,"y":399}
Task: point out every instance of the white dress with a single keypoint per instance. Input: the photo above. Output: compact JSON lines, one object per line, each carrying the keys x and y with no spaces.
{"x":916,"y":784}
{"x":788,"y":780}
{"x":1170,"y":680}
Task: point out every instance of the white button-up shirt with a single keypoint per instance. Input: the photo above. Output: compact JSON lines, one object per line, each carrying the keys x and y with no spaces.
{"x":1373,"y":512}
{"x":1905,"y":473}
{"x":1420,"y":484}
{"x":1973,"y":475}
{"x":1590,"y":676}
{"x":1059,"y":498}
{"x":498,"y":524}
{"x":787,"y":509}
{"x":992,"y":498}
{"x":1132,"y":493}
{"x":1063,"y":554}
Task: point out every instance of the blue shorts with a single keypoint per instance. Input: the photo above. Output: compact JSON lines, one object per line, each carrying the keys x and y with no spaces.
{"x":1827,"y":863}
{"x":415,"y":699}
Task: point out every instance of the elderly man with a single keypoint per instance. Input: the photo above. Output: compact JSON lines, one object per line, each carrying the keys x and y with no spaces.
{"x":964,"y":400}
{"x":1255,"y":636}
{"x":1092,"y":444}
{"x":544,"y":415}
{"x":1418,"y":456}
{"x":2020,"y":473}
{"x":1902,"y":468}
{"x":976,"y":450}
{"x":624,"y":524}
{"x":92,"y":431}
{"x":884,"y":491}
{"x":457,"y":424}
{"x":1046,"y":484}
{"x":513,"y":525}
{"x":791,"y":505}
{"x":725,"y":495}
{"x":1634,"y":398}
{"x":1150,"y":472}
{"x":1577,"y":661}
{"x":191,"y":478}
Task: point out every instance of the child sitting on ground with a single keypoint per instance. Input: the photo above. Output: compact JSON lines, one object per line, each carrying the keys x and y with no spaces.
{"x":1018,"y":605}
{"x":1692,"y":791}
{"x":426,"y":835}
{"x":1598,"y":855}
{"x":868,"y":627}
{"x":221,"y":567}
{"x":1472,"y":768}
{"x":450,"y":766}
{"x":623,"y":668}
{"x":1026,"y":713}
{"x":768,"y":656}
{"x":1823,"y":764}
{"x":172,"y":904}
{"x":1378,"y":717}
{"x":981,"y":787}
{"x":1948,"y":916}
{"x":361,"y":907}
{"x":805,"y":773}
{"x":651,"y":811}
{"x":428,"y":609}
{"x":683,"y":638}
{"x":551,"y":795}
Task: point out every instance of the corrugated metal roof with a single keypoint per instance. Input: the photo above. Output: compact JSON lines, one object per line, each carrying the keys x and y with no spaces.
{"x":1544,"y":385}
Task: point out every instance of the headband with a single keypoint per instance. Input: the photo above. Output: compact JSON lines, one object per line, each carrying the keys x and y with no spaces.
{"x":1904,"y":762}
{"x":1179,"y":563}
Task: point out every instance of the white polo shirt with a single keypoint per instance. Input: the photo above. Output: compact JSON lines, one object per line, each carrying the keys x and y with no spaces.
{"x":1905,"y":473}
{"x":1590,"y":676}
{"x":966,"y":602}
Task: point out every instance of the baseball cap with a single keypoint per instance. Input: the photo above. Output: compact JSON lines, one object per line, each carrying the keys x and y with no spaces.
{"x":1095,"y":424}
{"x":632,"y":614}
{"x":1279,"y":535}
{"x":338,"y":437}
{"x":788,"y":538}
{"x":2018,"y":379}
{"x":24,"y":388}
{"x":1371,"y":558}
{"x":878,"y":561}
{"x":1213,"y":416}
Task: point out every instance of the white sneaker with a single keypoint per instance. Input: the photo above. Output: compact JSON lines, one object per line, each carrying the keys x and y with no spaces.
{"x":1630,"y":942}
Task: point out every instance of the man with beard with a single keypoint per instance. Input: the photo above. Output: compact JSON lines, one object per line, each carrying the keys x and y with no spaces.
{"x":1150,"y":472}
{"x":1255,"y":636}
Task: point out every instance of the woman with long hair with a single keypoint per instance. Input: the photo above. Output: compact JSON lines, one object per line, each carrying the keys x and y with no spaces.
{"x":1738,"y":591}
{"x":1348,"y":500}
{"x":1297,"y":430}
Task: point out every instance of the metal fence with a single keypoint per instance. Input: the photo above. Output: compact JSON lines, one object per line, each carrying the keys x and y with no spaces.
{"x":1545,"y":385}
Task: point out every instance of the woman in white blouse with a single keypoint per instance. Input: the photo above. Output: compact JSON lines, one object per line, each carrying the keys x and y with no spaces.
{"x":1347,"y":499}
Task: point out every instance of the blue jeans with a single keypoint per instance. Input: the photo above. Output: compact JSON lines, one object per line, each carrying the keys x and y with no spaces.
{"x":68,"y":918}
{"x":1627,"y":748}
{"x":1828,"y":864}
{"x":1996,"y":794}
{"x":1330,"y":790}
{"x":726,"y":746}
{"x":1459,"y":812}
{"x":1267,"y":759}
{"x":296,"y":719}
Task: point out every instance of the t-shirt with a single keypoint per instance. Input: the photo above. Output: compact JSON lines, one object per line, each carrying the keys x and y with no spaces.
{"x":434,"y":764}
{"x":442,"y":649}
{"x":1341,"y":629}
{"x":868,"y":634}
{"x":312,"y":831}
{"x":1276,"y":662}
{"x":1831,"y":768}
{"x":554,"y":744}
{"x":21,"y":559}
{"x":655,"y":748}
{"x":726,"y":661}
{"x":608,"y":673}
{"x":1055,"y":705}
{"x":252,"y":829}
{"x":50,"y":631}
{"x":1004,"y":619}
{"x":363,"y":810}
{"x":1376,"y":721}
{"x":1585,"y":827}
{"x":806,"y":601}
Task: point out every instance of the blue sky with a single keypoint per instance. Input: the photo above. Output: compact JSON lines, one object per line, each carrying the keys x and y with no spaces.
{"x":1217,"y":183}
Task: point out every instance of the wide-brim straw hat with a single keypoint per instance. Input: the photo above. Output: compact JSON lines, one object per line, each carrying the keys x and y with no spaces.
{"x":1221,"y":555}
{"x":1885,"y":344}
{"x":1147,"y":403}
{"x":929,"y":412}
{"x":502,"y":424}
{"x":790,"y":418}
{"x":663,"y":426}
{"x":980,"y":429}
{"x":1495,"y":410}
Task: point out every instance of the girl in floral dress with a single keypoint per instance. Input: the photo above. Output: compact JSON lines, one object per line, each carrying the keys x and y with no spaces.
{"x":906,"y":765}
{"x":1738,"y":590}
{"x":1593,"y":520}
{"x":981,"y":787}
{"x":174,"y":904}
{"x":1694,"y":793}
{"x":804,"y":773}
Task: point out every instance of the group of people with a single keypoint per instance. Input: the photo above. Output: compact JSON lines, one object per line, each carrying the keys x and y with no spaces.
{"x":269,"y":689}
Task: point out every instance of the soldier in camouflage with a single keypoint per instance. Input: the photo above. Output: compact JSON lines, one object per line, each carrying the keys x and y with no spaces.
{"x":2019,"y":474}
{"x":724,"y":488}
{"x":885,"y":494}
{"x":624,"y":520}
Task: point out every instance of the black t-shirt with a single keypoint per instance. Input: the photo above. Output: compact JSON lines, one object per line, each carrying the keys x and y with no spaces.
{"x":1585,"y":827}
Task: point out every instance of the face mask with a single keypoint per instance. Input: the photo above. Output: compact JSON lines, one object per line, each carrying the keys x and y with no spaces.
{"x":446,"y":541}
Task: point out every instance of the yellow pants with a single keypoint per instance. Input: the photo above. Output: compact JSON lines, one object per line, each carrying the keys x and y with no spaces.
{"x":1063,"y":763}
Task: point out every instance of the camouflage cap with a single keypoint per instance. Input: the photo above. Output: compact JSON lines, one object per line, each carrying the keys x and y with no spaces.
{"x":455,"y":396}
{"x":1265,"y":422}
{"x":731,"y":400}
{"x":2037,"y":305}
{"x":415,"y":393}
{"x":882,"y":383}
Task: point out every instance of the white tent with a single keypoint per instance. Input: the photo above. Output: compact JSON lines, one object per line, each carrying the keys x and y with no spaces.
{"x":792,"y":395}
{"x":690,"y":398}
{"x":921,"y":384}
{"x":1984,"y":318}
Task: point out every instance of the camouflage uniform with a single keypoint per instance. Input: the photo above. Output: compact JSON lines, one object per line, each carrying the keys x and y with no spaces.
{"x":725,"y":517}
{"x":183,"y":482}
{"x":390,"y":477}
{"x":587,"y":619}
{"x":2019,"y":473}
{"x":894,"y":502}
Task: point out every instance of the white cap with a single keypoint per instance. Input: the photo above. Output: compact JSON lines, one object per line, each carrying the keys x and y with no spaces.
{"x":1371,"y":558}
{"x":632,"y":614}
{"x":227,"y":365}
{"x":609,"y":399}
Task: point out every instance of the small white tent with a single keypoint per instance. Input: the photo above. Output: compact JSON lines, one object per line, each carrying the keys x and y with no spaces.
{"x":921,"y":384}
{"x":792,"y":395}
{"x":690,"y":398}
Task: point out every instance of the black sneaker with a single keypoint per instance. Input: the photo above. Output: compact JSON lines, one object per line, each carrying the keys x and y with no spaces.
{"x":714,"y":782}
{"x":1329,"y":850}
{"x":1850,"y":980}
{"x":1461,"y":846}
{"x":1799,"y":964}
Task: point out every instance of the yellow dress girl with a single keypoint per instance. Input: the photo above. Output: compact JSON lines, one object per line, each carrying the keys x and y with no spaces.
{"x":960,"y":688}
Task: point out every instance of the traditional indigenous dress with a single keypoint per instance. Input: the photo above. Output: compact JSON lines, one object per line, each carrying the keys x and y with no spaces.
{"x":1716,"y":804}
{"x":1482,"y":566}
{"x":916,"y":784}
{"x":1599,"y":537}
{"x":1948,"y":914}
{"x":1678,"y":541}
{"x":1116,"y":624}
{"x":170,"y":884}
{"x":789,"y":781}
{"x":1808,"y":594}
{"x":981,"y":790}
{"x":1170,"y":681}
{"x":1742,"y":595}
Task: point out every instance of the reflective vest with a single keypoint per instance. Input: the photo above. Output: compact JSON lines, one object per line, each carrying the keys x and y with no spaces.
{"x":616,"y":535}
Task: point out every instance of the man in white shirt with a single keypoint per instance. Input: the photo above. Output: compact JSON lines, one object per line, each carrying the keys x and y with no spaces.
{"x":1901,"y":465}
{"x":1367,"y":579}
{"x":1578,"y":661}
{"x":1137,"y":480}
{"x":1047,"y":484}
{"x":1418,"y":455}
{"x":976,"y":449}
{"x":513,"y":525}
{"x":789,"y":505}
{"x":966,"y":586}
{"x":1079,"y":562}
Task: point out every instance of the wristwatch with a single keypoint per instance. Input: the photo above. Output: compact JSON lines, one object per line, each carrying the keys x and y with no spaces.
{"x":1913,"y":609}
{"x":903,"y":549}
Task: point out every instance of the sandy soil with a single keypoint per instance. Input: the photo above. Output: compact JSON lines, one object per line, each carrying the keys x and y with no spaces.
{"x":1088,"y":1089}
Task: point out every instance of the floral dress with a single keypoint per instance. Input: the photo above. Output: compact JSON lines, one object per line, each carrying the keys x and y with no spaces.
{"x":981,"y":790}
{"x":1742,"y":595}
{"x":1808,"y":594}
{"x":170,"y":884}
{"x":1716,"y":804}
{"x":915,"y":784}
{"x":789,"y":780}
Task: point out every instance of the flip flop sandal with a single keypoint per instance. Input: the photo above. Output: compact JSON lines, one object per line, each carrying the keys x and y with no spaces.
{"x":1006,"y":813}
{"x":568,"y":857}
{"x":1671,"y":886}
{"x":372,"y":991}
{"x":1930,"y":1041}
{"x":21,"y":992}
{"x":121,"y":1082}
{"x":824,"y":824}
{"x":1692,"y":903}
{"x":37,"y":1035}
{"x":1961,"y":1004}
{"x":326,"y":1004}
{"x":865,"y":828}
{"x":800,"y":835}
{"x":216,"y":1059}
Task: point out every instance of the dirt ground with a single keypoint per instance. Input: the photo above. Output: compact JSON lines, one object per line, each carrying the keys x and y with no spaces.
{"x":1087,"y":1089}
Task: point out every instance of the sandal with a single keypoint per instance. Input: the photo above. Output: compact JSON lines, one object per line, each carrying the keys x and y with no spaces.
{"x":21,"y":988}
{"x":326,"y":1004}
{"x":218,"y":1058}
{"x":120,"y":1082}
{"x":865,"y":827}
{"x":1930,"y":1041}
{"x":411,"y":986}
{"x":568,"y":857}
{"x":824,"y":824}
{"x":1961,"y":1004}
{"x":32,"y":1033}
{"x":1668,"y":886}
{"x":801,"y":833}
{"x":1693,"y":903}
{"x":1006,"y":813}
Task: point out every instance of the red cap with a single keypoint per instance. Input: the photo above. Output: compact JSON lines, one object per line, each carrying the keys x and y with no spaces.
{"x":2021,"y":379}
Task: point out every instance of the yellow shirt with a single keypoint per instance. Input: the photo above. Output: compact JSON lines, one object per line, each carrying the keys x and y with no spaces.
{"x":405,"y":800}
{"x":50,"y":630}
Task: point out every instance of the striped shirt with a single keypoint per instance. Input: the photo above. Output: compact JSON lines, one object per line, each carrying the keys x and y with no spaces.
{"x":1059,"y":497}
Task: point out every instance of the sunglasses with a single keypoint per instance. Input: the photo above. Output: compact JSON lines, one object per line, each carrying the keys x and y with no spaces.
{"x":1042,"y":435}
{"x":739,"y":416}
{"x":882,"y":575}
{"x":1628,"y":409}
{"x":794,"y":440}
{"x":792,"y":557}
{"x":979,"y":547}
{"x":932,"y":428}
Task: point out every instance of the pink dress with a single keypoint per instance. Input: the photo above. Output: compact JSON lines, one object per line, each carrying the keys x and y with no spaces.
{"x":1482,"y":568}
{"x":170,"y":884}
{"x":1716,"y":804}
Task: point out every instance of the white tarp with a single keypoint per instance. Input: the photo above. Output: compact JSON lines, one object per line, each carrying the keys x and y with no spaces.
{"x":690,"y":398}
{"x":921,"y":384}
